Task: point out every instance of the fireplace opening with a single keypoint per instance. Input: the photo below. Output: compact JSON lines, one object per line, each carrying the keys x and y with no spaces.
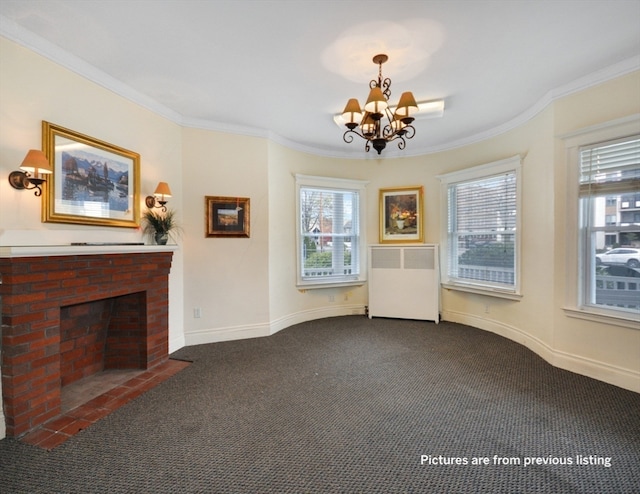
{"x":102,"y":345}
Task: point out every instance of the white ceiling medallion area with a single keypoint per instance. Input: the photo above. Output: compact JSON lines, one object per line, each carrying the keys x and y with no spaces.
{"x":408,"y":44}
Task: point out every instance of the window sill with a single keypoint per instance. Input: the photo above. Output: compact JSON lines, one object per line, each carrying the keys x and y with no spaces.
{"x":604,"y":317}
{"x":329,"y":284}
{"x":480,"y":290}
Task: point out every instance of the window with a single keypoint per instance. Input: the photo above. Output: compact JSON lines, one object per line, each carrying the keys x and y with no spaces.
{"x":610,"y":278}
{"x":482,"y":228}
{"x":329,"y":236}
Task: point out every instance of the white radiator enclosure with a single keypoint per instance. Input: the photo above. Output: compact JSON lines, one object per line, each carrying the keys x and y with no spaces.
{"x":404,"y":282}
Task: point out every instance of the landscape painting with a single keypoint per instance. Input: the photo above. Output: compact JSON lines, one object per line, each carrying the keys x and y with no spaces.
{"x":226,"y":216}
{"x":93,"y":182}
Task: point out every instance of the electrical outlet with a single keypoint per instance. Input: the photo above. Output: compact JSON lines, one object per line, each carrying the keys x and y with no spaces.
{"x":486,"y":308}
{"x":332,"y":298}
{"x":197,"y":313}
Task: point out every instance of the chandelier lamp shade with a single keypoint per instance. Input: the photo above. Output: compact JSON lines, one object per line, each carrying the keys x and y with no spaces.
{"x":376,"y":123}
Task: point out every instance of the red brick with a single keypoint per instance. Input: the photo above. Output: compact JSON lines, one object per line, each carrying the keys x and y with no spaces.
{"x":76,"y":282}
{"x":45,"y":286}
{"x":71,"y":377}
{"x":45,"y":361}
{"x":49,"y":397}
{"x":61,"y":275}
{"x":27,"y":357}
{"x":53,"y":441}
{"x":37,"y":436}
{"x":27,"y":277}
{"x":46,"y":342}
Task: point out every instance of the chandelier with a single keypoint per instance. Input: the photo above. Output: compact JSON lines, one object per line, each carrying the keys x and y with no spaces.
{"x":379,"y":124}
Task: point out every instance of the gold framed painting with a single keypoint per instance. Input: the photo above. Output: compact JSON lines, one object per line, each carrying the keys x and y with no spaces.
{"x":227,"y":216}
{"x":401,"y":214}
{"x":93,"y":182}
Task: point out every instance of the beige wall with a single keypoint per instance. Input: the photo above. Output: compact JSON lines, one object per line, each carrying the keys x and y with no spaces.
{"x":227,"y":278}
{"x":246,"y":287}
{"x":606,"y":351}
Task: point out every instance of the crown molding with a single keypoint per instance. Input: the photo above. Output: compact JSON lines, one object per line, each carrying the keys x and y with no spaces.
{"x":12,"y":31}
{"x":608,"y":73}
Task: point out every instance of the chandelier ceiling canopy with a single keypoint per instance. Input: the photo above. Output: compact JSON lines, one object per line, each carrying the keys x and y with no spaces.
{"x":379,"y":124}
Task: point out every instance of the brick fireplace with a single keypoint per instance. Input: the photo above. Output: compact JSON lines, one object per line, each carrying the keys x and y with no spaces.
{"x":73,"y":312}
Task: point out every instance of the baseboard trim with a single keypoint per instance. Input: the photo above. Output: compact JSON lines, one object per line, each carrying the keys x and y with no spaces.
{"x":176,"y":343}
{"x":313,"y":314}
{"x":215,"y":335}
{"x":618,"y":376}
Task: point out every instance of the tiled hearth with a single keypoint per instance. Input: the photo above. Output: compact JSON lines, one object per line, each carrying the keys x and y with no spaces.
{"x":69,"y":312}
{"x":58,"y":430}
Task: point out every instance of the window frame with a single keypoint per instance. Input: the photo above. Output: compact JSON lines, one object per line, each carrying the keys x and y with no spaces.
{"x":574,"y":305}
{"x":339,"y":184}
{"x":485,"y":171}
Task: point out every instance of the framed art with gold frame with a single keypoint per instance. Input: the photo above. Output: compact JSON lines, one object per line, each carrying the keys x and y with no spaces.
{"x":93,"y":182}
{"x":401,"y":214}
{"x":227,"y":216}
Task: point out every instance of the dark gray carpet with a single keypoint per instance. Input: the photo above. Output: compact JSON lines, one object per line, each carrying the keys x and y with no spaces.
{"x":352,"y":405}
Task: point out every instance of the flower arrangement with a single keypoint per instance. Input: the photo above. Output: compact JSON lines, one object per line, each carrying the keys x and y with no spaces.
{"x":160,"y":226}
{"x":401,"y":215}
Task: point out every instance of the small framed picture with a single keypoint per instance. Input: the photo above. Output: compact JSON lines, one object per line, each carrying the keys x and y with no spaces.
{"x":93,"y":182}
{"x":401,"y":215}
{"x":227,"y":216}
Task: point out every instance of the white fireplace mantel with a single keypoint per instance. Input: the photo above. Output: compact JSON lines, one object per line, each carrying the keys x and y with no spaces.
{"x":81,"y":249}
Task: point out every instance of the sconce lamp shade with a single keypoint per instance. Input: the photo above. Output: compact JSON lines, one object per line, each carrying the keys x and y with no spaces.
{"x":163,"y":190}
{"x":36,"y":162}
{"x":376,"y":102}
{"x":407,"y":105}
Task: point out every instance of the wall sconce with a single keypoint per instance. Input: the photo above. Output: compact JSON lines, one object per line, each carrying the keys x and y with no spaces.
{"x":162,"y":191}
{"x":34,"y":165}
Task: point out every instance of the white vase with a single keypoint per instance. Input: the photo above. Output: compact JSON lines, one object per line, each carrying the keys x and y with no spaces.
{"x":400,"y":224}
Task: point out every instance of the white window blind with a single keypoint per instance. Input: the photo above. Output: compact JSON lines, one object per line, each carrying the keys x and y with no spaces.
{"x":609,"y":184}
{"x":610,"y":167}
{"x":482,"y":221}
{"x":482,"y":215}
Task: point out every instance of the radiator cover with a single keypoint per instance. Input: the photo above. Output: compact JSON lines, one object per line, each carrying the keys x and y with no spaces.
{"x":404,"y":282}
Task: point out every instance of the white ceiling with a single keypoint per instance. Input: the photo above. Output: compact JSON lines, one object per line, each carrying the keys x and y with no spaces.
{"x":283,"y":68}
